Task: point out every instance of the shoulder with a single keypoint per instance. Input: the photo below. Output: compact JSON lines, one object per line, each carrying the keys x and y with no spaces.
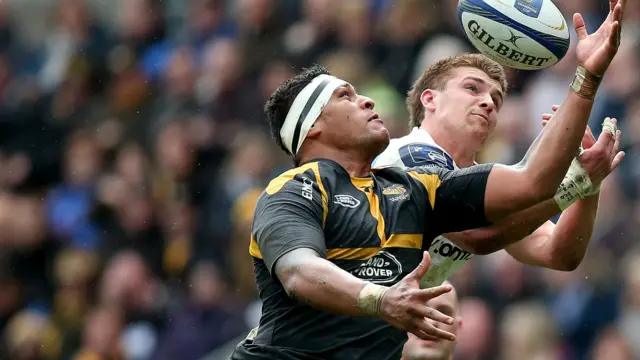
{"x":301,"y":176}
{"x":295,"y":194}
{"x":303,"y":184}
{"x":415,"y":149}
{"x":415,"y":154}
{"x":425,"y":155}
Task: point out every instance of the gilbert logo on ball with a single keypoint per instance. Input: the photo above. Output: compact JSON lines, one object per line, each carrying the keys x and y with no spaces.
{"x":521,"y":34}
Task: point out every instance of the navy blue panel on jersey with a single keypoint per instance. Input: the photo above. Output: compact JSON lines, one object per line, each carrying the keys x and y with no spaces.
{"x":421,"y":154}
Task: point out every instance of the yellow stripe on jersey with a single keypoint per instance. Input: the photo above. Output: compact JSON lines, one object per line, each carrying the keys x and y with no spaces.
{"x":431,"y":182}
{"x":254,"y":249}
{"x":276,"y":185}
{"x":409,"y":241}
{"x":366,"y":186}
{"x":352,"y":253}
{"x":325,"y":198}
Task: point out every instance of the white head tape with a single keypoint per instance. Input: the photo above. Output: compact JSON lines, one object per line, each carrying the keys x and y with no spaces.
{"x":305,"y":110}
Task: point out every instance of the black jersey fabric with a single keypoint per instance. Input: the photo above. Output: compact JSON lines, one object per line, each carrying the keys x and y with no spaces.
{"x":374,"y":227}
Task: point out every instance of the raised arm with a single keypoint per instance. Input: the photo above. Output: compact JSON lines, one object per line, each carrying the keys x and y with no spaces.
{"x":561,"y":247}
{"x":531,"y":239}
{"x":288,"y":228}
{"x":515,"y":188}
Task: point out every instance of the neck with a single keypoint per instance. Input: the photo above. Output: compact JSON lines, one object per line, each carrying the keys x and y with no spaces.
{"x":462,"y":147}
{"x":354,"y":164}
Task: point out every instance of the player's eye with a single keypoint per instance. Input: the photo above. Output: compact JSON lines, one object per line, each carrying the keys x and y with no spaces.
{"x":472,"y":88}
{"x":343,"y":93}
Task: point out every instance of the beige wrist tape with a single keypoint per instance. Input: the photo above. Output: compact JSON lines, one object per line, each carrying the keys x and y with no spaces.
{"x":585,"y":84}
{"x":369,"y":300}
{"x":575,"y":186}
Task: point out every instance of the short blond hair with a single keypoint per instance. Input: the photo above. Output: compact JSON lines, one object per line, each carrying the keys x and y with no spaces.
{"x":436,"y":76}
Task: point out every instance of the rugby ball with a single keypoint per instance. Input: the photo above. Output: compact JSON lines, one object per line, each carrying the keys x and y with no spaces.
{"x":521,"y":34}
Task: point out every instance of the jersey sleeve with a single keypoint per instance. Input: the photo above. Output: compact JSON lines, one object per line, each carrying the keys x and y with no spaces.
{"x":289,"y":215}
{"x":456,"y":197}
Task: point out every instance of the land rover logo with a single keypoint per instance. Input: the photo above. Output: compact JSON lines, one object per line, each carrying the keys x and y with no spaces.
{"x":346,"y":201}
{"x":383,"y":268}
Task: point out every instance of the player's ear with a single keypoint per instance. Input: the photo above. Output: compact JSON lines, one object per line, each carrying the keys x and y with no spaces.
{"x":315,"y":130}
{"x":427,"y":98}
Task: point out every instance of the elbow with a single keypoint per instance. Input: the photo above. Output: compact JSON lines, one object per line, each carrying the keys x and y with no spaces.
{"x":290,"y":279}
{"x":567,"y":263}
{"x":295,"y":271}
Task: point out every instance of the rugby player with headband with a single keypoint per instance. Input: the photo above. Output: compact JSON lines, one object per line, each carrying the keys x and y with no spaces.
{"x":339,"y":249}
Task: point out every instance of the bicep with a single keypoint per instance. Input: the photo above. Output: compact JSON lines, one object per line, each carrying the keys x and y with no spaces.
{"x":508,"y":190}
{"x":533,"y":249}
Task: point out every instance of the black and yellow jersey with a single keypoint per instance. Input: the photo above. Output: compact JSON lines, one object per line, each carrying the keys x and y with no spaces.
{"x":374,"y":227}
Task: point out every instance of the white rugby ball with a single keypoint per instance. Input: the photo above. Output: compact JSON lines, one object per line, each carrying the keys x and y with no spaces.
{"x":521,"y":34}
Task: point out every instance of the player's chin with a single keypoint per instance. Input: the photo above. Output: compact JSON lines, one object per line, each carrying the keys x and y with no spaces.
{"x":376,"y":142}
{"x":481,"y":127}
{"x":383,"y":138}
{"x":376,"y":126}
{"x":479,"y":121}
{"x":378,"y":129}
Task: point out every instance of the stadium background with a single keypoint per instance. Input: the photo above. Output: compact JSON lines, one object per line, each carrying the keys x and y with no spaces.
{"x":133,"y":147}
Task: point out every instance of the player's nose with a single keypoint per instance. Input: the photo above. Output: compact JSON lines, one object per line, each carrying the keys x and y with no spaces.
{"x":487,"y":103}
{"x":367,"y":103}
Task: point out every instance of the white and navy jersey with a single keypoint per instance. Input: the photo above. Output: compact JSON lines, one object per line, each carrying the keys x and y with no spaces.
{"x":419,"y":149}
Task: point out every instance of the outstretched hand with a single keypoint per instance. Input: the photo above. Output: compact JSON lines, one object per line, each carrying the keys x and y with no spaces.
{"x":404,"y":305}
{"x":604,"y":156}
{"x":596,"y":51}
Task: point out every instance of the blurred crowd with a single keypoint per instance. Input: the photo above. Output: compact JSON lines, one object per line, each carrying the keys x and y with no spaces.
{"x":133,"y":147}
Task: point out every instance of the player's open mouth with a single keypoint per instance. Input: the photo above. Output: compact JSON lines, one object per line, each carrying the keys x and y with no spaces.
{"x":374,"y":117}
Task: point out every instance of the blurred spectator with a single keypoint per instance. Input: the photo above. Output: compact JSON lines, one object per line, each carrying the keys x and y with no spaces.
{"x":205,"y":321}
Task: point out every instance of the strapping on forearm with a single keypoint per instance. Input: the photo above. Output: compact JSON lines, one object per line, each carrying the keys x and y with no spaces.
{"x":575,"y":186}
{"x":369,"y":300}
